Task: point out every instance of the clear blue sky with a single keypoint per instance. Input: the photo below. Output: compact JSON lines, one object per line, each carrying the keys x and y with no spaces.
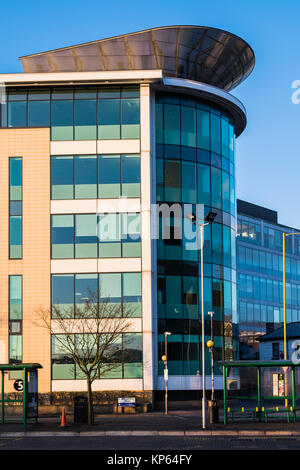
{"x":268,"y":153}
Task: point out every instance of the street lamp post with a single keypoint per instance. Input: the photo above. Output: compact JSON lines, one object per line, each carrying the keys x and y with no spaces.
{"x":284,"y":235}
{"x":210,"y":344}
{"x":209,"y":218}
{"x":165,"y":359}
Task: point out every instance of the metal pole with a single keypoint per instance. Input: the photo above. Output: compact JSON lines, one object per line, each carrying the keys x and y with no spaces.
{"x":224,"y":393}
{"x":258,"y":390}
{"x":203,"y":332}
{"x":293,"y":394}
{"x":2,"y":397}
{"x":284,"y":314}
{"x":166,"y":381}
{"x":212,"y":358}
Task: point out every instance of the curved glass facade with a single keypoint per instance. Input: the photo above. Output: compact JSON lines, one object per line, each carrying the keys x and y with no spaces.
{"x":195,"y":165}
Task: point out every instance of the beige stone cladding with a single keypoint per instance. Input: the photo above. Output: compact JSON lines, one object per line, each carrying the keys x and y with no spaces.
{"x":33,"y":145}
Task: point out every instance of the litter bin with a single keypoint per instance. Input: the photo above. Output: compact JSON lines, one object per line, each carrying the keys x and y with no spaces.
{"x":213,"y":412}
{"x":80,"y":409}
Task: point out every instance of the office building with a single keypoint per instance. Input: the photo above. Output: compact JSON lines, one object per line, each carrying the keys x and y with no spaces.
{"x":115,"y":127}
{"x":260,"y":275}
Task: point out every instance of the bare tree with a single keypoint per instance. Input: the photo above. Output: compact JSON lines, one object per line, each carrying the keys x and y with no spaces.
{"x":91,"y":337}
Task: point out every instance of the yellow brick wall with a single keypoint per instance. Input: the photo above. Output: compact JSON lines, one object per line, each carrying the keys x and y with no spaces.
{"x":33,"y":145}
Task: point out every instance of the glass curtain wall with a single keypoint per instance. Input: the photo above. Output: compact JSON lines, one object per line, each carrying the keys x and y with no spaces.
{"x":260,"y":281}
{"x":195,"y":165}
{"x":95,"y":176}
{"x":81,"y":113}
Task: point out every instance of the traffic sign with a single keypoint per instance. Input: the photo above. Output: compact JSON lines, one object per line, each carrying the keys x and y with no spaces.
{"x":285,"y":369}
{"x":18,"y":385}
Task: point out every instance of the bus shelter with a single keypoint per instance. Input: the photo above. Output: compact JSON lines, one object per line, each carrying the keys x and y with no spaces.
{"x":28,"y":388}
{"x":281,"y":398}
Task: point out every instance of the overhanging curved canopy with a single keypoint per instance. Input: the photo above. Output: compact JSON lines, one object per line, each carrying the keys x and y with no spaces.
{"x":199,"y":53}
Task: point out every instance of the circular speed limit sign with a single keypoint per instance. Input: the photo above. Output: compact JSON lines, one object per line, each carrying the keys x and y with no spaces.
{"x":18,"y":385}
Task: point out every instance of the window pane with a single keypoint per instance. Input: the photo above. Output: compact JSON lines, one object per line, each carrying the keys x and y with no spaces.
{"x":188,"y":126}
{"x":109,"y":236}
{"x":86,"y":236}
{"x":15,"y":297}
{"x":86,"y":295}
{"x":225,"y":137}
{"x":171,"y":124}
{"x":63,"y":295}
{"x":132,"y":294}
{"x":109,"y":119}
{"x":38,"y":113}
{"x":131,"y":238}
{"x":226,"y":246}
{"x":173,"y":297}
{"x":203,"y":184}
{"x":189,"y":192}
{"x":85,"y":119}
{"x":15,"y":233}
{"x":15,"y":178}
{"x":113,"y":356}
{"x":159,"y":123}
{"x":62,"y":178}
{"x":216,"y":191}
{"x":15,"y":349}
{"x":109,"y":92}
{"x":62,"y":236}
{"x":85,"y":174}
{"x":39,"y":94}
{"x":203,"y":134}
{"x":130,"y":118}
{"x":133,"y":355}
{"x":109,"y":176}
{"x":215,"y":123}
{"x":110,"y":292}
{"x":231,"y":142}
{"x":172,"y":181}
{"x":17,"y":114}
{"x":226,"y":191}
{"x":131,"y":175}
{"x":216,"y":243}
{"x":62,"y":120}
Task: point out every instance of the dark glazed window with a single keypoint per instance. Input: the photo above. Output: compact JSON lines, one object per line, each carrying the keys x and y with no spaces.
{"x":17,"y":114}
{"x":62,"y":178}
{"x":62,"y":120}
{"x":85,"y":176}
{"x":85,"y":119}
{"x":38,"y":113}
{"x":15,"y":208}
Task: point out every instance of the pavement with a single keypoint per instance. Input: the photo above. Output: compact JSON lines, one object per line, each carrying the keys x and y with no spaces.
{"x":176,"y":423}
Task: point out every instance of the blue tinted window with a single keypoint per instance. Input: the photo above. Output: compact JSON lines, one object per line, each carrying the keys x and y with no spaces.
{"x":62,"y":178}
{"x":62,"y":120}
{"x":109,"y":119}
{"x":85,"y":119}
{"x":17,"y":114}
{"x":38,"y":113}
{"x":62,"y":291}
{"x":85,"y":175}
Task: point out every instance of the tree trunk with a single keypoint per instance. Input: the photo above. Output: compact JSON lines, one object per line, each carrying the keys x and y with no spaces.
{"x":90,"y":401}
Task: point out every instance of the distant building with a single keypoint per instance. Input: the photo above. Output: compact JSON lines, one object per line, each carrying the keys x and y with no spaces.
{"x":271,"y":345}
{"x":260,"y":275}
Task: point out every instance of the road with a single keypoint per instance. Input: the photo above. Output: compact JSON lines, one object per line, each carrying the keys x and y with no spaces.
{"x":154,"y":443}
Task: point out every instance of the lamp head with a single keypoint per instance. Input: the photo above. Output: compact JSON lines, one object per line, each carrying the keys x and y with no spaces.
{"x":210,"y":216}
